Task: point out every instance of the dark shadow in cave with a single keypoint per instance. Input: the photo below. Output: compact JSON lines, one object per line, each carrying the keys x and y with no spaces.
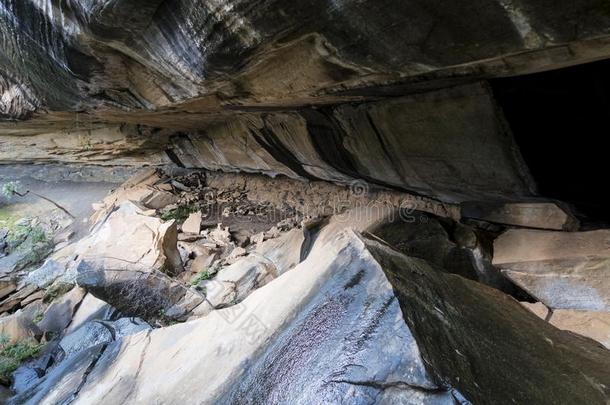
{"x":560,"y":120}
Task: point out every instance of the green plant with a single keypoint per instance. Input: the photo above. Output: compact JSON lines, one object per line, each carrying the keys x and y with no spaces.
{"x":13,"y":354}
{"x":38,"y":317}
{"x":33,"y":243}
{"x":180,"y":214}
{"x":201,"y":276}
{"x":17,"y":234}
{"x":10,"y":189}
{"x":56,"y":290}
{"x":38,"y":235}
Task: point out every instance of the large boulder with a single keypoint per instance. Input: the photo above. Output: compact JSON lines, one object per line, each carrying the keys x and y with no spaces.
{"x":151,"y":295}
{"x":487,"y":345}
{"x":125,"y":261}
{"x":128,"y":239}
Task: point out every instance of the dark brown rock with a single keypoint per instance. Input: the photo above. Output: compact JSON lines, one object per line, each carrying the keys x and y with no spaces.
{"x":487,"y":345}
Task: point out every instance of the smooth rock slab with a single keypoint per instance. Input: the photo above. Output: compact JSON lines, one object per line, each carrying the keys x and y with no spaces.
{"x":540,"y":215}
{"x":592,"y":324}
{"x":63,"y":382}
{"x":90,"y":309}
{"x":565,"y":270}
{"x":328,"y":331}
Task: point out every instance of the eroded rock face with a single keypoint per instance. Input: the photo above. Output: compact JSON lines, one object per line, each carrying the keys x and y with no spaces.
{"x":429,"y":143}
{"x":143,"y":56}
{"x":232,"y":85}
{"x":540,"y":215}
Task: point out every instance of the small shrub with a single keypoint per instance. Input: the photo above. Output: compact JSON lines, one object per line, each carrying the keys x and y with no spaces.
{"x":56,"y":290}
{"x":180,"y":214}
{"x":13,"y":354}
{"x":38,"y":235}
{"x":17,"y":233}
{"x":202,"y":276}
{"x":10,"y":189}
{"x":38,"y":317}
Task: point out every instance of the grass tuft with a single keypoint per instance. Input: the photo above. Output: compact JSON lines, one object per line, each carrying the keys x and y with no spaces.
{"x":13,"y":354}
{"x":180,"y":214}
{"x":202,"y":276}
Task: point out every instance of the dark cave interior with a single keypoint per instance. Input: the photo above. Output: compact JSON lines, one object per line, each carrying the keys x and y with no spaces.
{"x":559,"y":119}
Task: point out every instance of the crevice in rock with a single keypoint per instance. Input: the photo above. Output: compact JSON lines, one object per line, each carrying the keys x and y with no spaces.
{"x":174,"y":157}
{"x":87,"y":372}
{"x":279,"y":152}
{"x":384,"y":385}
{"x":140,"y":363}
{"x":311,"y":233}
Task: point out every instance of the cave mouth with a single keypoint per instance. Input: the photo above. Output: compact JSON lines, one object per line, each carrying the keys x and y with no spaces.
{"x":559,"y":119}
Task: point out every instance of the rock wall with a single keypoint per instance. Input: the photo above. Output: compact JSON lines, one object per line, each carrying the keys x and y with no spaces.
{"x":452,"y":144}
{"x":125,"y":56}
{"x":117,"y":145}
{"x":388,"y":92}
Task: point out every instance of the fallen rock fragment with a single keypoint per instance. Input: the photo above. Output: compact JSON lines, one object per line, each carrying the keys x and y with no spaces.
{"x":46,"y":274}
{"x":220,"y":235}
{"x":159,"y":199}
{"x":540,"y":215}
{"x":192,"y":223}
{"x":58,"y":316}
{"x":137,"y":188}
{"x":88,"y":335}
{"x":564,"y":270}
{"x":233,"y":283}
{"x":126,"y":239}
{"x":203,"y":262}
{"x":17,"y":327}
